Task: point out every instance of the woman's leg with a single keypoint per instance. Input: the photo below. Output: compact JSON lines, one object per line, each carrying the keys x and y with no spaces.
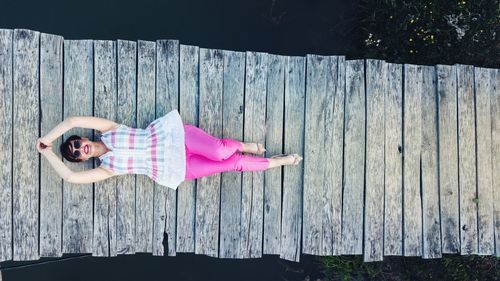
{"x":198,"y":166}
{"x":201,"y":143}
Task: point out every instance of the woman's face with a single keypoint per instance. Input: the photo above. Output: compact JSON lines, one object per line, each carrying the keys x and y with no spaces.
{"x":83,"y":148}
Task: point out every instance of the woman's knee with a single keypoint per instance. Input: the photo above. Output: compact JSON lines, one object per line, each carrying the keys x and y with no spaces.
{"x":225,"y":149}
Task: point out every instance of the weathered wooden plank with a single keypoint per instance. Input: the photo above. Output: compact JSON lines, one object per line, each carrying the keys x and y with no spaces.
{"x":208,"y":190}
{"x":230,"y":205}
{"x":189,"y":89}
{"x":314,"y":142}
{"x":252,"y":191}
{"x":393,"y":216}
{"x":6,"y":119}
{"x":167,"y":96}
{"x":146,"y":72}
{"x":323,"y":144}
{"x":376,"y":84}
{"x":105,"y":101}
{"x":335,"y":85}
{"x":51,"y":101}
{"x":78,"y":101}
{"x":126,"y":113}
{"x":412,"y":139}
{"x":495,"y":155}
{"x":274,"y":145}
{"x":291,"y":224}
{"x":467,"y":160}
{"x":483,"y":87}
{"x":431,"y":224}
{"x":26,"y":123}
{"x":448,"y":157}
{"x":354,"y":159}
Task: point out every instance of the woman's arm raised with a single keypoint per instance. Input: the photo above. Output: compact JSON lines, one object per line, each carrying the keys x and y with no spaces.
{"x":90,"y":176}
{"x":89,"y":122}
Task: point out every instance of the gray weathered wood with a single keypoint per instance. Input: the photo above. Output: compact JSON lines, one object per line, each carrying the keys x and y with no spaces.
{"x":291,"y":224}
{"x":431,"y":236}
{"x":230,"y":205}
{"x":393,"y":216}
{"x":323,"y":144}
{"x":167,"y":96}
{"x":208,"y":189}
{"x":448,"y":157}
{"x":146,"y":72}
{"x":376,"y":84}
{"x":188,"y":98}
{"x":105,"y":101}
{"x":274,"y":142}
{"x":495,"y":154}
{"x":314,"y":142}
{"x":78,"y":101}
{"x":51,"y":101}
{"x":484,"y":87}
{"x":26,"y":131}
{"x":252,"y":190}
{"x":467,"y":160}
{"x":126,"y":113}
{"x":334,"y":163}
{"x":6,"y":118}
{"x":354,"y":159}
{"x":412,"y":139}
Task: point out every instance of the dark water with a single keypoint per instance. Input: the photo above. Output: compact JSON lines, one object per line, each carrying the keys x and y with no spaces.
{"x":275,"y":26}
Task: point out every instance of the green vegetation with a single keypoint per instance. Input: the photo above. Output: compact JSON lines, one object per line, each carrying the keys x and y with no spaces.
{"x":432,"y":31}
{"x":448,"y":268}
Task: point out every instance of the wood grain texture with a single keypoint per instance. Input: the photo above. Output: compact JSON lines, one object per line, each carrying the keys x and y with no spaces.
{"x":51,"y":102}
{"x":314,"y":142}
{"x":354,"y":159}
{"x":274,"y":145}
{"x":467,"y":160}
{"x":25,"y":193}
{"x":208,"y":189}
{"x":252,"y":190}
{"x":412,"y":139}
{"x":230,"y":205}
{"x":146,"y":73}
{"x":105,"y":101}
{"x":323,"y":144}
{"x":393,"y":215}
{"x":126,"y":113}
{"x":6,"y":119}
{"x":78,"y":101}
{"x":448,"y":157}
{"x":495,"y":155}
{"x":431,"y":236}
{"x":376,"y":84}
{"x":188,"y":98}
{"x":336,"y":83}
{"x":484,"y":87}
{"x":167,"y":97}
{"x":291,"y":224}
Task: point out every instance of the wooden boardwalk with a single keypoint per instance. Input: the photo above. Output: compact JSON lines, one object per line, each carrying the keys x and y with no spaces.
{"x":398,"y":159}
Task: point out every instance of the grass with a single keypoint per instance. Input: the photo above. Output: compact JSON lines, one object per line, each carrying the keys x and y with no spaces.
{"x":448,"y":268}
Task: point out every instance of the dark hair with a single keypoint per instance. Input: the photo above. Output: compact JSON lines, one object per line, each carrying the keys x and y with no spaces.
{"x":66,"y":152}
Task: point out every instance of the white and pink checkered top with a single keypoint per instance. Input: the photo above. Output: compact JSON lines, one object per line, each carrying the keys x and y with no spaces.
{"x":157,"y":151}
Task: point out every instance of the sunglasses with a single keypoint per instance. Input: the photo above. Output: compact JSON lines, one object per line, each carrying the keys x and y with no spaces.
{"x":76,"y":145}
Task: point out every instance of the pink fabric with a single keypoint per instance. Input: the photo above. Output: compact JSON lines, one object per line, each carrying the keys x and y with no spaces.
{"x":207,"y":155}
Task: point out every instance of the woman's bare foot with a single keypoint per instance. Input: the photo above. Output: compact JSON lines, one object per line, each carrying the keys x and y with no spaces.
{"x":255,"y":148}
{"x":279,"y":160}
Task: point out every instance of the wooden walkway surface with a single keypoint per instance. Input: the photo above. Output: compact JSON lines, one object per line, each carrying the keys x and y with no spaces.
{"x":398,"y":159}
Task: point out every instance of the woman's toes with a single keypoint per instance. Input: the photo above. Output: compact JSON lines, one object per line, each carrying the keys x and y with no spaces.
{"x":260,"y":148}
{"x":297,"y":159}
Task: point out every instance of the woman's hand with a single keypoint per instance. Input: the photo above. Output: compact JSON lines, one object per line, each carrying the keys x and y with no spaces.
{"x":42,"y":146}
